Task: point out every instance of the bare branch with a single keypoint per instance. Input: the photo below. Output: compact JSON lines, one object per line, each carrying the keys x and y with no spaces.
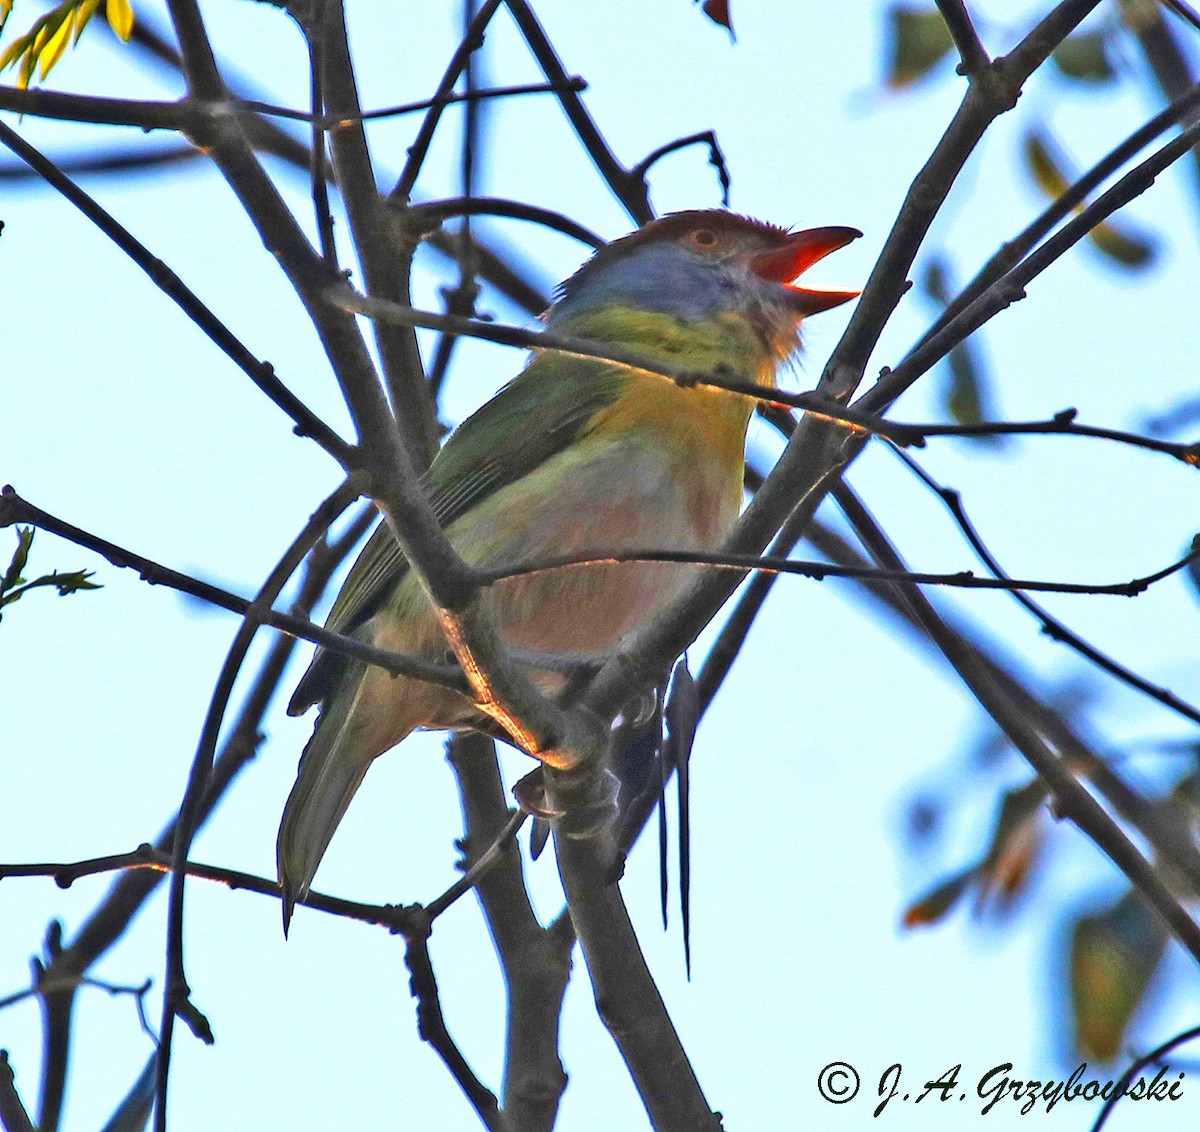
{"x":1072,"y":800}
{"x":431,"y":1025}
{"x":536,"y":962}
{"x":434,"y":211}
{"x":715,"y":158}
{"x":1051,"y":626}
{"x":146,"y":114}
{"x":974,"y":59}
{"x":14,"y":509}
{"x":628,"y":186}
{"x":332,"y":122}
{"x":261,"y":373}
{"x":627,"y":999}
{"x":471,"y":42}
{"x":1011,"y":286}
{"x":176,"y":993}
{"x":13,"y":1116}
{"x":744,"y":563}
{"x":386,"y":265}
{"x":1016,"y":249}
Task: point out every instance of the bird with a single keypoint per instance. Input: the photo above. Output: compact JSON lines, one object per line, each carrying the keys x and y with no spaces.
{"x":574,"y":456}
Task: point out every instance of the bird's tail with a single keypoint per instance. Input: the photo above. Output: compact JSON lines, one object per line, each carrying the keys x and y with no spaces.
{"x":331,"y":769}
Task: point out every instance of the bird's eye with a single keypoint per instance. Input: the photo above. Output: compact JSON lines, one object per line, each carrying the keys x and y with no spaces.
{"x":704,"y":238}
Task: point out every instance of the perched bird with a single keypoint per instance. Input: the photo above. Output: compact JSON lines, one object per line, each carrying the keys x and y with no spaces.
{"x":574,"y":456}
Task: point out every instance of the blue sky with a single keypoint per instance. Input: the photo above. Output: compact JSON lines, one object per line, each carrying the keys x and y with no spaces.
{"x":120,"y":417}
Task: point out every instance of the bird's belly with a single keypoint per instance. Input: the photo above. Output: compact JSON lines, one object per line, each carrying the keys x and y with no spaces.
{"x":586,"y":503}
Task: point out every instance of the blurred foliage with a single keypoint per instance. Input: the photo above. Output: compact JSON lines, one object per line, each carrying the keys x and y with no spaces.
{"x":1053,"y":175}
{"x":13,"y":586}
{"x":917,"y":39}
{"x":42,"y":46}
{"x":718,"y":12}
{"x":1114,"y":955}
{"x":965,"y":394}
{"x":1003,"y":872}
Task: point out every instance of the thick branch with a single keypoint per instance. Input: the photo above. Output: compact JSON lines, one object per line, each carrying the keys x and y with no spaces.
{"x":627,"y":999}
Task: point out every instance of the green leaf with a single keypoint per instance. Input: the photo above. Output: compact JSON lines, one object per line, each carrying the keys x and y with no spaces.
{"x":917,"y":40}
{"x":1045,"y":165}
{"x":12,"y":576}
{"x":965,"y":394}
{"x":13,"y":587}
{"x":73,"y":581}
{"x":1113,"y":957}
{"x":1084,"y":56}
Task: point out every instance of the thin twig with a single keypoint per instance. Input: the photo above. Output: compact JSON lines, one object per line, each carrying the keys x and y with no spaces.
{"x":1014,"y":250}
{"x":261,"y":373}
{"x":14,"y":509}
{"x":1051,"y":626}
{"x":471,"y":42}
{"x":628,"y":187}
{"x":176,"y":993}
{"x":715,"y":158}
{"x":1010,"y":287}
{"x":975,"y":61}
{"x":386,"y":263}
{"x":319,"y":176}
{"x":128,"y":894}
{"x":745,"y":563}
{"x":814,"y":402}
{"x":480,"y":867}
{"x":332,"y":122}
{"x":431,"y":1025}
{"x":1072,"y":800}
{"x":1141,"y":1063}
{"x":437,"y":210}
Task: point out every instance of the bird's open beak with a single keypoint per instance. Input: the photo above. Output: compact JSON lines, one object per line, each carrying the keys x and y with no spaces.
{"x":797,"y":254}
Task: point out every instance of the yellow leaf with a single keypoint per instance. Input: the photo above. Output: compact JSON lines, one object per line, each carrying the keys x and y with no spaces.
{"x":1127,"y":249}
{"x":120,"y":17}
{"x":1045,"y":166}
{"x":14,"y":51}
{"x":1053,"y":175}
{"x":83,"y":14}
{"x":27,"y":65}
{"x":55,"y":45}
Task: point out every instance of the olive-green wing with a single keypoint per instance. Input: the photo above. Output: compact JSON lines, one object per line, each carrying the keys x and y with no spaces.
{"x":540,"y":413}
